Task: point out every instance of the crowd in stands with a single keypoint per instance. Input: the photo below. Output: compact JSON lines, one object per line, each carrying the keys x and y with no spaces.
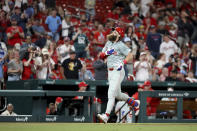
{"x":42,"y":40}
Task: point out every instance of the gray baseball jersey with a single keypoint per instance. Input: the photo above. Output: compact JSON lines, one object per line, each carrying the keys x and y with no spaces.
{"x":121,"y":51}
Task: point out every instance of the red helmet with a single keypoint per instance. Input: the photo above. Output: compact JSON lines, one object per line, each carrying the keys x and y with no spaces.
{"x":120,"y":31}
{"x":147,"y":83}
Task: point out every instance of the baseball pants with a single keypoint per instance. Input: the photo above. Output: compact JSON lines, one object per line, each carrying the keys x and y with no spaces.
{"x":115,"y":79}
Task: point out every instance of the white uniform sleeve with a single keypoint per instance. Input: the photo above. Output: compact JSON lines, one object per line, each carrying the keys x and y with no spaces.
{"x":124,"y":49}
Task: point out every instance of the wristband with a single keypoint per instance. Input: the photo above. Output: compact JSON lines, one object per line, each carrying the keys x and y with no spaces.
{"x":125,"y":62}
{"x":102,"y":55}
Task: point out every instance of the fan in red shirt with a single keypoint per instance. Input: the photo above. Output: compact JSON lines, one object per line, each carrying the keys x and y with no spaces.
{"x":15,"y":33}
{"x":152,"y":103}
{"x":27,"y":66}
{"x":100,"y":36}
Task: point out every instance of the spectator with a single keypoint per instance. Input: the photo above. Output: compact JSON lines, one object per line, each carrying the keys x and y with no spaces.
{"x":70,"y":67}
{"x":85,"y":74}
{"x":28,"y":43}
{"x":9,"y":111}
{"x":173,"y":76}
{"x":15,"y":67}
{"x":100,"y":38}
{"x":100,"y":69}
{"x":38,"y":28}
{"x":52,"y":109}
{"x":168,"y":47}
{"x":153,"y":41}
{"x":28,"y":66}
{"x":81,"y":43}
{"x":4,"y":23}
{"x":162,"y":61}
{"x":66,"y":25}
{"x":64,"y":49}
{"x":193,"y":57}
{"x":41,"y":41}
{"x":145,"y":7}
{"x":185,"y":29}
{"x":44,"y":65}
{"x":164,"y":74}
{"x":134,"y":6}
{"x":190,"y":78}
{"x":142,"y":68}
{"x":54,"y":24}
{"x":15,"y":33}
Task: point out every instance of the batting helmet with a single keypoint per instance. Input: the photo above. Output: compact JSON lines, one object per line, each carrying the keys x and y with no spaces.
{"x":120,"y":31}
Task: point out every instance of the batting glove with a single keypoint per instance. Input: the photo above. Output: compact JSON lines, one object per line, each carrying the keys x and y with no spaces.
{"x":110,"y":52}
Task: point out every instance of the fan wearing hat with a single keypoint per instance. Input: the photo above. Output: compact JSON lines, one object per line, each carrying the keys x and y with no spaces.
{"x":153,"y":41}
{"x":82,"y":87}
{"x":168,"y":47}
{"x":15,"y":33}
{"x":45,"y":66}
{"x":70,"y":67}
{"x":117,"y":54}
{"x":64,"y":49}
{"x":142,"y":68}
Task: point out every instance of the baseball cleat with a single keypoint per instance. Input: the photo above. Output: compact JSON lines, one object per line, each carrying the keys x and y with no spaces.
{"x":103,"y":117}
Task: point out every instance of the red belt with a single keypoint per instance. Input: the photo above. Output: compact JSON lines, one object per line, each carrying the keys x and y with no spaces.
{"x":111,"y":69}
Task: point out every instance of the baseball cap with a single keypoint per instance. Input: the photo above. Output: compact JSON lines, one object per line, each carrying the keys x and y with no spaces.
{"x":66,"y":38}
{"x":45,"y":51}
{"x":152,"y":26}
{"x":147,"y":83}
{"x":142,"y":53}
{"x":127,"y":39}
{"x":17,"y":7}
{"x":17,"y":46}
{"x":141,"y":26}
{"x":82,"y":84}
{"x":72,"y":52}
{"x":50,"y":34}
{"x":59,"y":100}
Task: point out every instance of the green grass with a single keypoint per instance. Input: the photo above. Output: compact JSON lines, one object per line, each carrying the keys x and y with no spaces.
{"x":95,"y":127}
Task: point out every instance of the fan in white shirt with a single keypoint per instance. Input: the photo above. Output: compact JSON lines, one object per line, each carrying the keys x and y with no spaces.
{"x":142,"y":68}
{"x":134,"y":6}
{"x":63,"y":50}
{"x":168,"y":47}
{"x":9,"y":111}
{"x":66,"y":24}
{"x":190,"y":78}
{"x":44,"y":65}
{"x":162,"y":61}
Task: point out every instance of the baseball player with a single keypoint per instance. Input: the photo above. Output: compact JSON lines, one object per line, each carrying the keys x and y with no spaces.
{"x":117,"y":54}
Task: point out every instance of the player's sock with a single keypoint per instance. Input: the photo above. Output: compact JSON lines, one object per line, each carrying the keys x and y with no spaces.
{"x":107,"y":114}
{"x":110,"y":105}
{"x":132,"y":102}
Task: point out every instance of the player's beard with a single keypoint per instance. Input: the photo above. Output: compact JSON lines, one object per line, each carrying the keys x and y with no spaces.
{"x":112,"y":37}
